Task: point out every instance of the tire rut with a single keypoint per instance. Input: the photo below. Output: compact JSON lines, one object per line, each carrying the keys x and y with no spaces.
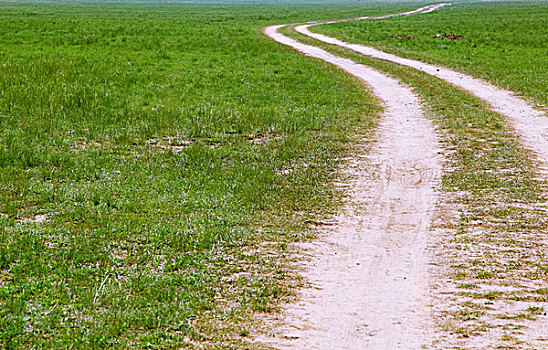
{"x":530,"y":123}
{"x":369,"y":272}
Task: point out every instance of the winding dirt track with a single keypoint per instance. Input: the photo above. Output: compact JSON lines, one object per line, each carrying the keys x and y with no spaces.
{"x":369,"y":273}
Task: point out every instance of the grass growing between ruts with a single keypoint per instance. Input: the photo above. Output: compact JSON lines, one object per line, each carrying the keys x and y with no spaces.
{"x":492,"y":264}
{"x":154,"y":162}
{"x":505,"y":43}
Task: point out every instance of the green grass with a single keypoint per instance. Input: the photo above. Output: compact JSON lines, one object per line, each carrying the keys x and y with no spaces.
{"x":504,"y":42}
{"x":155,"y":160}
{"x":174,"y":152}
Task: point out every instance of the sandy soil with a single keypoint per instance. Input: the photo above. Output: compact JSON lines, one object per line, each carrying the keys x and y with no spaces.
{"x":369,"y":273}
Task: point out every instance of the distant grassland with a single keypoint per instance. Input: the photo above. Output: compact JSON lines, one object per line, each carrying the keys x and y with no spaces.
{"x":154,"y":162}
{"x":504,"y":42}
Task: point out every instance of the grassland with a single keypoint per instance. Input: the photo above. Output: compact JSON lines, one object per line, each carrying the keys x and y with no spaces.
{"x":504,"y":42}
{"x":155,"y":160}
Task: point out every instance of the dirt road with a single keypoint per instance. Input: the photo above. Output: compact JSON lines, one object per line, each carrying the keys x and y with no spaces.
{"x":530,"y":124}
{"x":369,"y":273}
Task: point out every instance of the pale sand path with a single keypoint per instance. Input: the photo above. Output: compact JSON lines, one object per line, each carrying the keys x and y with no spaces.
{"x":369,"y":272}
{"x":530,"y":123}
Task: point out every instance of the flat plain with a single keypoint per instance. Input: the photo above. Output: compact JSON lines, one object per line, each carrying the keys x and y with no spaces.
{"x":156,"y":160}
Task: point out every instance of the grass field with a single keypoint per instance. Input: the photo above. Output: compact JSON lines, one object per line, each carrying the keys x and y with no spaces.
{"x":503,"y":42}
{"x":155,"y":160}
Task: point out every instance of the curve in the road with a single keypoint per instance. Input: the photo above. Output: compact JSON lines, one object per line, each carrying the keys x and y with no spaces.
{"x":369,"y":272}
{"x":530,"y":123}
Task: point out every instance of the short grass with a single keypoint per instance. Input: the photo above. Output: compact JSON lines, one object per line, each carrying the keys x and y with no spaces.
{"x":155,"y":159}
{"x":503,"y":42}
